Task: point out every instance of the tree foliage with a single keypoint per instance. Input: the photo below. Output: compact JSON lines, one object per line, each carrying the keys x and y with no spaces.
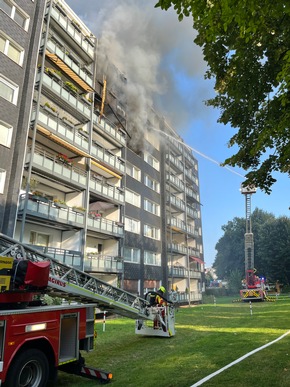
{"x":246,"y":46}
{"x":271,"y":247}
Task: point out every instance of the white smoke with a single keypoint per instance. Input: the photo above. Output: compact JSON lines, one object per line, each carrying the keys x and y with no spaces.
{"x":154,"y":51}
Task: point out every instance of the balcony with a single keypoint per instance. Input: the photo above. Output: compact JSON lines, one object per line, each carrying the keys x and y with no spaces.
{"x":49,"y":163}
{"x":172,"y":161}
{"x":191,"y":176}
{"x":109,"y":129}
{"x":178,"y":272}
{"x":177,"y":248}
{"x":49,"y":211}
{"x":194,"y":274}
{"x":176,"y":202}
{"x":108,"y":191}
{"x":61,"y":128}
{"x":105,"y":226}
{"x":176,"y":182}
{"x":191,"y":194}
{"x":62,"y":53}
{"x":73,"y":31}
{"x":59,"y":89}
{"x":108,"y":158}
{"x":69,"y":257}
{"x":176,"y":224}
{"x":191,"y":212}
{"x":103,"y":264}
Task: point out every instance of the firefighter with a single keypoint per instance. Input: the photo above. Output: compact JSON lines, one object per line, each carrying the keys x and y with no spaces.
{"x":159,"y":297}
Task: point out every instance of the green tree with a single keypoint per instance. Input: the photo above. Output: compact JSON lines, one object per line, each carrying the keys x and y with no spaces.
{"x":231,"y":246}
{"x":235,"y":281}
{"x":246,"y":46}
{"x":274,"y":250}
{"x":230,"y":249}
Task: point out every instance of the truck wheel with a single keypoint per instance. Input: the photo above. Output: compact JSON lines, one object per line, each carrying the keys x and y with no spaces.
{"x":28,"y":369}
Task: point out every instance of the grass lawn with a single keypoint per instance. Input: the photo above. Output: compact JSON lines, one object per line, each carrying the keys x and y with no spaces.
{"x":208,"y":338}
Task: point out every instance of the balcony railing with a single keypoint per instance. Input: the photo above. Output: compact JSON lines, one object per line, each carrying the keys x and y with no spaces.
{"x":176,"y":202}
{"x":60,"y":127}
{"x":105,"y":226}
{"x":103,"y":263}
{"x":76,"y":35}
{"x":58,"y":87}
{"x":173,"y":160}
{"x":47,"y":210}
{"x":175,"y":181}
{"x":62,"y":54}
{"x":177,"y":271}
{"x":191,"y":176}
{"x":69,"y":257}
{"x":191,"y":193}
{"x":181,"y":225}
{"x":110,"y":129}
{"x":108,"y":158}
{"x":50,"y":163}
{"x":107,"y":191}
{"x":175,"y":247}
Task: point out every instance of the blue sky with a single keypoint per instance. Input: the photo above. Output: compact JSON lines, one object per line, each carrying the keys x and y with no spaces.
{"x":157,"y":52}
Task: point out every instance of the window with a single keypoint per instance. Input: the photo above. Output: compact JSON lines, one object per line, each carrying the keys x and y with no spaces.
{"x":15,"y":13}
{"x":131,"y":255}
{"x":2,"y":180}
{"x":151,"y":232}
{"x":132,"y":225}
{"x":151,"y":258}
{"x":151,"y":183}
{"x":152,"y":207}
{"x":8,"y":90}
{"x":5,"y":134}
{"x":132,"y":198}
{"x":151,"y":161}
{"x":11,"y":49}
{"x":133,"y":171}
{"x":39,"y":239}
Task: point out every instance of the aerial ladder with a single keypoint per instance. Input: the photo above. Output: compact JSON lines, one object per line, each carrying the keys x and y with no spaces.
{"x":253,"y":287}
{"x":25,"y":276}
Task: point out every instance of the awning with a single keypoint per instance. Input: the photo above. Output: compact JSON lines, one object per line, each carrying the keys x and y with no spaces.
{"x":76,"y":150}
{"x":197,"y":259}
{"x":69,"y":72}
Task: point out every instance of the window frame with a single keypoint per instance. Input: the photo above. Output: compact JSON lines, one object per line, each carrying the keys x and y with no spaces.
{"x":15,"y":8}
{"x":10,"y":42}
{"x":129,"y":222}
{"x":135,"y":255}
{"x":12,"y":86}
{"x":9,"y":134}
{"x":3,"y":174}
{"x":154,"y":232}
{"x":136,"y":198}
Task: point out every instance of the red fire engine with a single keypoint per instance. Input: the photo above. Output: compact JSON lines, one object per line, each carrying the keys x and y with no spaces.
{"x":37,"y":340}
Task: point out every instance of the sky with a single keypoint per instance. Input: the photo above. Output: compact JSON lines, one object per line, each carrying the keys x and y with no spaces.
{"x":165,"y":68}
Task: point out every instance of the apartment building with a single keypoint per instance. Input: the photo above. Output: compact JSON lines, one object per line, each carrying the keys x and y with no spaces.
{"x":71,"y":183}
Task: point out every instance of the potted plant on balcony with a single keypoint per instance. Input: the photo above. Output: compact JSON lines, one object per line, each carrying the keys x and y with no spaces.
{"x":39,"y":197}
{"x":64,"y":159}
{"x":52,"y":110}
{"x":71,"y":87}
{"x":79,"y":209}
{"x":54,"y":73}
{"x":68,"y":122}
{"x":60,"y":203}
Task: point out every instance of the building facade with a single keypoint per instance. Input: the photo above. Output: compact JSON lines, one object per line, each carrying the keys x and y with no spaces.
{"x":71,"y":183}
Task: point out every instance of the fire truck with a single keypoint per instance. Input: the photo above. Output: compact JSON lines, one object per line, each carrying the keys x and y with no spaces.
{"x":37,"y":340}
{"x":254,"y":289}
